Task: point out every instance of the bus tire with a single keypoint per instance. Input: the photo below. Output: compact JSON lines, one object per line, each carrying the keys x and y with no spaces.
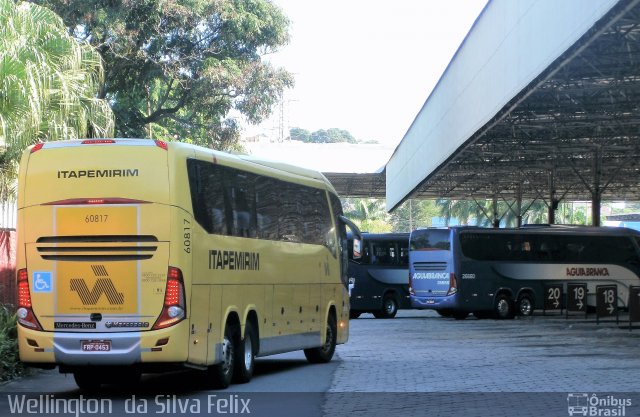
{"x":324,"y":353}
{"x":354,"y":314}
{"x":245,"y":355}
{"x":503,"y":307}
{"x":525,"y":305}
{"x":220,"y":374}
{"x":389,"y":308}
{"x":87,"y":381}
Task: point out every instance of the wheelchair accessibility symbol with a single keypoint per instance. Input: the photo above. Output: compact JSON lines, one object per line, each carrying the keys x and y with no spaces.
{"x":42,"y":281}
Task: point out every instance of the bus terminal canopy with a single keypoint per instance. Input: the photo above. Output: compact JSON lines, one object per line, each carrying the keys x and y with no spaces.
{"x":541,"y":101}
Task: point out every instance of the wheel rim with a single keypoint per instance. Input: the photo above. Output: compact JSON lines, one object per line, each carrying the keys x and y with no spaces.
{"x":248,"y":352}
{"x":503,"y":307}
{"x":227,"y":356}
{"x":390,"y":306}
{"x":525,"y":307}
{"x":327,"y":344}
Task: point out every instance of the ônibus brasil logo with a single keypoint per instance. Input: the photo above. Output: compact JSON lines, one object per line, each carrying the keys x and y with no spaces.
{"x":582,"y":404}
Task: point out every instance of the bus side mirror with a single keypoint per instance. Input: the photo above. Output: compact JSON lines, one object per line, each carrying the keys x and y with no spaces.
{"x":357,"y":237}
{"x":357,"y":248}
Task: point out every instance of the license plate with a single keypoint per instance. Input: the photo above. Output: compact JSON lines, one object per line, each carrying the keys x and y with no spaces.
{"x":96,"y":345}
{"x":431,"y":301}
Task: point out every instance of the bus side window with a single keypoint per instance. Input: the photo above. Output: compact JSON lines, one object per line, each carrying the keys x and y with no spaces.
{"x":381,"y":253}
{"x":404,"y":253}
{"x":393,"y":254}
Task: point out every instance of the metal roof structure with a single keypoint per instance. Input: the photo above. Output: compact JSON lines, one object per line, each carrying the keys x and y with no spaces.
{"x":364,"y":185}
{"x":569,"y":129}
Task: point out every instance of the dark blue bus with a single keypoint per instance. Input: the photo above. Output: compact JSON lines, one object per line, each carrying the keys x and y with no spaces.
{"x":379,"y":280}
{"x":503,"y":272}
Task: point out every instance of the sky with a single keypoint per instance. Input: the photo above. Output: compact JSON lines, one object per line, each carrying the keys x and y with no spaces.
{"x":366,"y":66}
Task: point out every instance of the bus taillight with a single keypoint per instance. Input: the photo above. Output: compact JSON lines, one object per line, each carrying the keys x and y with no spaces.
{"x":25,"y":313}
{"x":37,"y":147}
{"x":161,"y":144}
{"x":173,"y":310}
{"x":453,"y":284}
{"x":411,"y":291}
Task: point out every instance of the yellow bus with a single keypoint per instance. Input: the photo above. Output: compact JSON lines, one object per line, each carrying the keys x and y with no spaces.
{"x":137,"y":256}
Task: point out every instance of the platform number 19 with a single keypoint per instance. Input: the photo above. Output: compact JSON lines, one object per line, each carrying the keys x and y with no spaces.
{"x":578,"y":293}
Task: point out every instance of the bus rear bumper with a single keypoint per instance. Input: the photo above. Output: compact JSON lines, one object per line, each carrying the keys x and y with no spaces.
{"x":103,"y":348}
{"x":433,"y":303}
{"x":124,"y":349}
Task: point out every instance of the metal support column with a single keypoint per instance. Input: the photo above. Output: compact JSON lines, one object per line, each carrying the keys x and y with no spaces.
{"x":596,"y":194}
{"x":519,"y":205}
{"x":496,"y":218}
{"x":553,"y":205}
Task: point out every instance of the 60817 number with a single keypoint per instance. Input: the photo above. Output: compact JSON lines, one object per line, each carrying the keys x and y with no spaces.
{"x":96,"y":218}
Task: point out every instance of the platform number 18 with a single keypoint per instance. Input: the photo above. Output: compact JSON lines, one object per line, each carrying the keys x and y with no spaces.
{"x":609,"y":296}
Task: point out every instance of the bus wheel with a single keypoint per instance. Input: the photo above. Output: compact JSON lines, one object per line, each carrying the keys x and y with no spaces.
{"x":87,"y":381}
{"x":503,"y":307}
{"x":324,"y":353}
{"x":354,"y":314}
{"x":221,"y":374}
{"x":245,"y":356}
{"x":525,"y":305}
{"x":389,"y":308}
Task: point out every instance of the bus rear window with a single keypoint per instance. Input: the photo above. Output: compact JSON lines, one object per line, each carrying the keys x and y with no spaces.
{"x":430,"y":240}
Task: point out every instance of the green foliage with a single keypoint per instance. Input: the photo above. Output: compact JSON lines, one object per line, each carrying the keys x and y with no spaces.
{"x":48,"y":84}
{"x":369,"y":214}
{"x":572,"y":213}
{"x":176,"y":69}
{"x":480,"y":212}
{"x":413,"y":214}
{"x":332,"y":135}
{"x":10,"y":366}
{"x":303,"y":135}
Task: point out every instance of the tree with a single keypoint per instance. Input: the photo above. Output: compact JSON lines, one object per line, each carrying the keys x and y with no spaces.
{"x":48,"y":85}
{"x":331,"y":135}
{"x":369,"y":214}
{"x":319,"y":136}
{"x":296,"y":133}
{"x":480,"y":212}
{"x":175,"y":69}
{"x":339,"y":135}
{"x":464,"y":211}
{"x":413,"y":214}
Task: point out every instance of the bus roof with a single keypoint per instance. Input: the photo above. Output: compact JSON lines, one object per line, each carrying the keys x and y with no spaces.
{"x":259,"y":164}
{"x":544,"y":229}
{"x":383,"y":236}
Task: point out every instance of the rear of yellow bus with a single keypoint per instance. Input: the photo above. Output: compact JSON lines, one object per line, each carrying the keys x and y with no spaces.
{"x":98,"y":286}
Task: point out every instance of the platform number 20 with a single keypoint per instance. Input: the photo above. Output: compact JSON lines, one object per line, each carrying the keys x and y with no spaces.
{"x":554,"y":293}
